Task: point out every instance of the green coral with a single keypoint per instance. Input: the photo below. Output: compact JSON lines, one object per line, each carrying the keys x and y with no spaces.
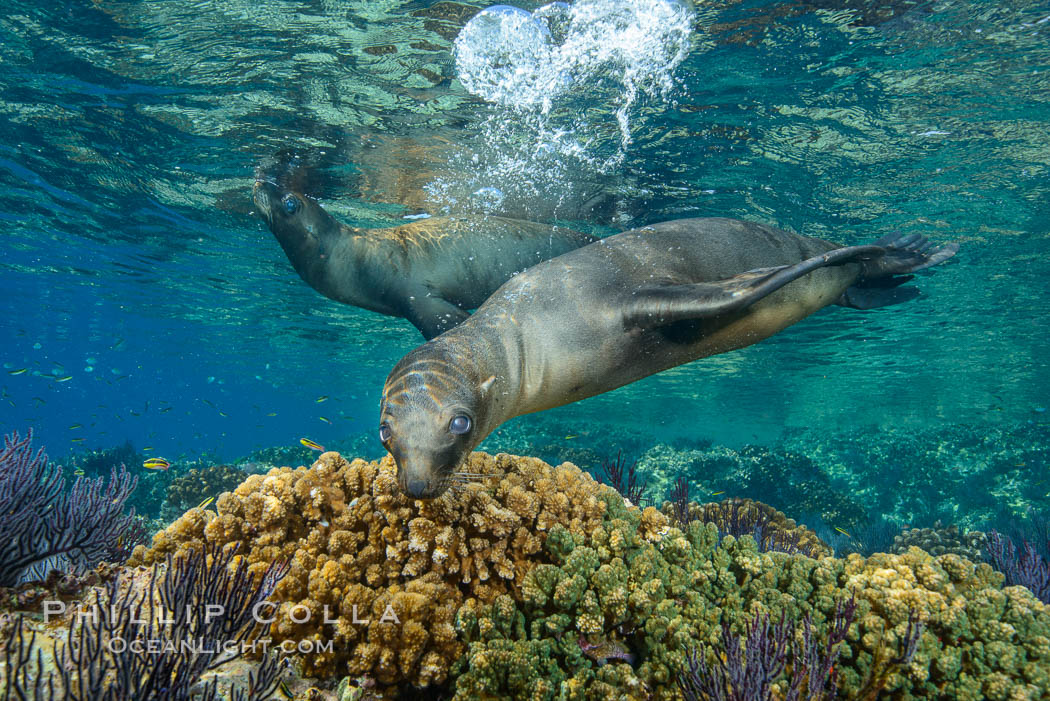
{"x":538,"y":583}
{"x":661,"y":597}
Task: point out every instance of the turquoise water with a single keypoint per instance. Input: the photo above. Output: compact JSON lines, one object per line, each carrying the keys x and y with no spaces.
{"x":133,"y":265}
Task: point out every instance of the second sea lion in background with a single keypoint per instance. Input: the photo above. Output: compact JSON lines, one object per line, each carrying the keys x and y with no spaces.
{"x":431,"y":272}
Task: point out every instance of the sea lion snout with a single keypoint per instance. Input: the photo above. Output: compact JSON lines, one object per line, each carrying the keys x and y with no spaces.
{"x":423,"y":474}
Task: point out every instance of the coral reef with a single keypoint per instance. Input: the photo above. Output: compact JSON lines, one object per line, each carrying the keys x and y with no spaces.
{"x":361,"y":549}
{"x":102,"y":461}
{"x":941,"y":540}
{"x":771,"y":529}
{"x":791,"y":480}
{"x":537,"y":582}
{"x":928,"y":474}
{"x":1028,"y":570}
{"x":42,"y":525}
{"x":625,"y":479}
{"x":198,"y":484}
{"x":150,"y":635}
{"x":747,"y":672}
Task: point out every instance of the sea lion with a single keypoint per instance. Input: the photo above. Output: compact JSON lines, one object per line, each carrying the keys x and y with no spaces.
{"x":431,"y":272}
{"x":615,"y":311}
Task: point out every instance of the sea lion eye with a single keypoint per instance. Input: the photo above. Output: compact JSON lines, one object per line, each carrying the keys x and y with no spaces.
{"x":459,"y":424}
{"x":384,"y":433}
{"x":291,"y":204}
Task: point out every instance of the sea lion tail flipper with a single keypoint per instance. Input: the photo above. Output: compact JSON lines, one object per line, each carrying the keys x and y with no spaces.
{"x":907,"y":253}
{"x":659,"y":305}
{"x":882,"y":275}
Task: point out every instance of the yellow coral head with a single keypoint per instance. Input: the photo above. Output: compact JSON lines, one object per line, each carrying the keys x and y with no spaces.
{"x":431,"y":417}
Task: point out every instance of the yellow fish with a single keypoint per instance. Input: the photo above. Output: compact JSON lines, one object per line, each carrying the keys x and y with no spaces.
{"x":715,"y":494}
{"x":285,"y":690}
{"x":569,"y":438}
{"x":843,"y":532}
{"x":325,"y":419}
{"x":322,"y":398}
{"x":205,"y":502}
{"x":221,"y":413}
{"x":75,"y":426}
{"x":19,"y":371}
{"x":147,"y":449}
{"x":67,"y":378}
{"x":156,"y":464}
{"x":75,"y":440}
{"x":312,"y":445}
{"x":272,"y":413}
{"x":79,"y":472}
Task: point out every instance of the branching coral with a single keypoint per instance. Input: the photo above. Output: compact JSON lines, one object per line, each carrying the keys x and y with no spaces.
{"x":40,"y":521}
{"x":737,"y":517}
{"x":536,"y":582}
{"x":360,"y":549}
{"x":155,"y":638}
{"x":747,"y":672}
{"x":625,"y":479}
{"x":1029,"y":570}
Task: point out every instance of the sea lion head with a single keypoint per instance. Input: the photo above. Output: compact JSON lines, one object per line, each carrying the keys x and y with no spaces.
{"x":298,"y":222}
{"x":431,"y":416}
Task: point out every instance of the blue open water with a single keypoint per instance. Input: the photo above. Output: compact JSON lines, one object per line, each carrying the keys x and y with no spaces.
{"x":133,"y":265}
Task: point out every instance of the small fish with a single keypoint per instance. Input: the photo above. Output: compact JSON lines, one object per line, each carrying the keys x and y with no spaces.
{"x":76,"y":426}
{"x":715,"y":494}
{"x":222,"y":413}
{"x":569,"y":438}
{"x":208,"y":403}
{"x":205,"y":503}
{"x":325,"y":419}
{"x":76,"y":440}
{"x":843,"y":532}
{"x":79,"y":472}
{"x":38,"y":399}
{"x":156,"y":464}
{"x":166,"y":409}
{"x":312,"y":445}
{"x":64,"y":378}
{"x":283,"y":686}
{"x":272,"y":413}
{"x":19,"y":371}
{"x":322,"y":398}
{"x":1020,"y":464}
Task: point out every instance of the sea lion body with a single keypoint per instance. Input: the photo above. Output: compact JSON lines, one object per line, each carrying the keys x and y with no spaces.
{"x":431,"y":272}
{"x":618,"y":310}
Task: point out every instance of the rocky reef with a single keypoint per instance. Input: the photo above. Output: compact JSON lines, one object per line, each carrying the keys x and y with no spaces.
{"x":198,"y":484}
{"x":537,"y":582}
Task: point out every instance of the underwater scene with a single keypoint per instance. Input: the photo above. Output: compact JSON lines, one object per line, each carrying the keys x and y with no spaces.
{"x":604,"y":349}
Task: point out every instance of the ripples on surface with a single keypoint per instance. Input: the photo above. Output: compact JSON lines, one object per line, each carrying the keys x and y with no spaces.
{"x":132,"y":130}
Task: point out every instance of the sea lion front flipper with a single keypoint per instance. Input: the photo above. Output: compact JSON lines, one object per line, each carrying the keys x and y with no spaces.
{"x":433,"y":316}
{"x":659,"y":305}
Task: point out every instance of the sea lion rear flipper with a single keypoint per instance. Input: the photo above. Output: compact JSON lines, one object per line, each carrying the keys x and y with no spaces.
{"x":434,"y":316}
{"x":659,"y":305}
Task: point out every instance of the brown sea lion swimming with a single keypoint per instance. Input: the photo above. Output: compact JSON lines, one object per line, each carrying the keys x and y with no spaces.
{"x":431,"y":272}
{"x":618,"y":310}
